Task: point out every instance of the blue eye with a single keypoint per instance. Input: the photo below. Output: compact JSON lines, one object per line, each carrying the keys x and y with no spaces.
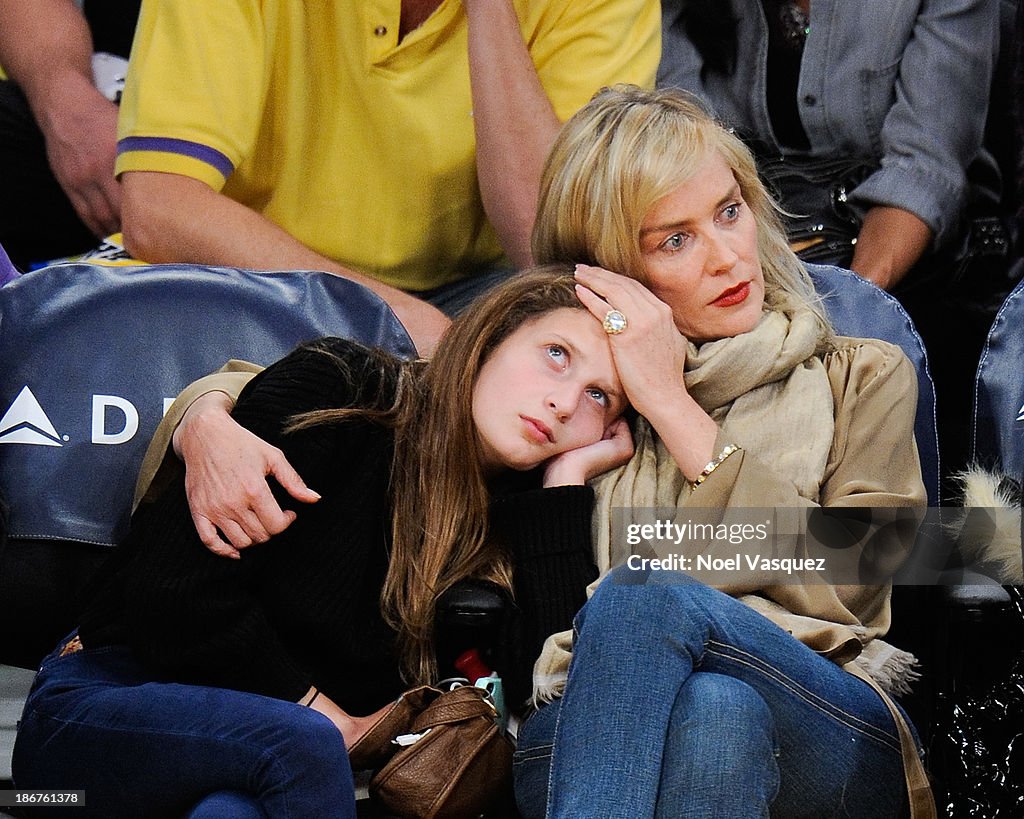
{"x":674,"y":242}
{"x":732,"y":212}
{"x":557,"y":353}
{"x":598,"y":395}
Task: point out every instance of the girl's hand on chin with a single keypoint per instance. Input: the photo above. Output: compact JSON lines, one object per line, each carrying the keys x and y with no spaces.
{"x":577,"y":466}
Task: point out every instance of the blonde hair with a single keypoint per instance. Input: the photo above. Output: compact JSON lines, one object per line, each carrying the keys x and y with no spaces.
{"x":439,"y":494}
{"x":622,"y":152}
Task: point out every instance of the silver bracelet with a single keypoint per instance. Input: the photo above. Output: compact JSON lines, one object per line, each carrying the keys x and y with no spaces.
{"x":714,"y":464}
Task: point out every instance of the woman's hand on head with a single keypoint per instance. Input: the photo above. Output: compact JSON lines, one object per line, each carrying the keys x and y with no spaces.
{"x":226,"y":470}
{"x":649,"y":356}
{"x":650,"y":352}
{"x":577,"y":466}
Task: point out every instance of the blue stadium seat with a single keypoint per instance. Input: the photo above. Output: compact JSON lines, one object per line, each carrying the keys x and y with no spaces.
{"x":8,"y":272}
{"x":91,"y":354}
{"x":998,"y":429}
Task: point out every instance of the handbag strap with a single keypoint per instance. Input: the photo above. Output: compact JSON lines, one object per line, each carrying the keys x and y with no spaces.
{"x":457,"y":705}
{"x":421,"y":696}
{"x":919,"y":790}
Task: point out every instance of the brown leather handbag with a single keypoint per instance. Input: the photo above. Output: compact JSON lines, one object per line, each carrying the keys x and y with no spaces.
{"x":437,"y":754}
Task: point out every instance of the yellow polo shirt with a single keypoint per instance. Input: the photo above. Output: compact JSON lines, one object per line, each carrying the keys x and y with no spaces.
{"x":313,"y":114}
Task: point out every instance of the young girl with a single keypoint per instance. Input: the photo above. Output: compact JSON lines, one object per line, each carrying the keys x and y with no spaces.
{"x":210,"y":687}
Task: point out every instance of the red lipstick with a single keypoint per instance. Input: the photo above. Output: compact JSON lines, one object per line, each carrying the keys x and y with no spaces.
{"x":732,"y":296}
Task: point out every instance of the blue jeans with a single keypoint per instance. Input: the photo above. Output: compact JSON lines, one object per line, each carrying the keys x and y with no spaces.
{"x":683,"y":702}
{"x":451,"y":299}
{"x":97,"y":721}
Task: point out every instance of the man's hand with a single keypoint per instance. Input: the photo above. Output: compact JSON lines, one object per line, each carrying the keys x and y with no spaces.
{"x":46,"y":48}
{"x":226,"y":470}
{"x":890,"y":243}
{"x":80,"y":127}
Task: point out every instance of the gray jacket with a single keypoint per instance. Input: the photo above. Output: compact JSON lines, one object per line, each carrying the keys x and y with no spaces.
{"x":903,"y":82}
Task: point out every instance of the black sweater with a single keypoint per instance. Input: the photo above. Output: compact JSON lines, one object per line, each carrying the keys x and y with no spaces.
{"x":304,"y":607}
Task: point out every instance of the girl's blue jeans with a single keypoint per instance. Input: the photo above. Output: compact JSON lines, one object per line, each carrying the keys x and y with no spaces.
{"x":683,"y":702}
{"x":96,"y":721}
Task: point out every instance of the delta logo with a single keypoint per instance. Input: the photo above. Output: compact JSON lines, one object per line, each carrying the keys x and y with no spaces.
{"x":25,"y":422}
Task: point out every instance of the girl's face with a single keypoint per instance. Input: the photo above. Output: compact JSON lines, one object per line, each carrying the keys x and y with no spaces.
{"x":549,"y":387}
{"x":699,"y":249}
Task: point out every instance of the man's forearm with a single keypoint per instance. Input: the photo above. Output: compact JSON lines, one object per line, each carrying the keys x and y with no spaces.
{"x":43,"y":44}
{"x":891,"y":242}
{"x":514,"y":121}
{"x":173,"y":218}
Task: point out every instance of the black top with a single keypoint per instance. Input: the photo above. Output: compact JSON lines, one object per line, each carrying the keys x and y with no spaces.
{"x":785,"y":53}
{"x":304,"y":608}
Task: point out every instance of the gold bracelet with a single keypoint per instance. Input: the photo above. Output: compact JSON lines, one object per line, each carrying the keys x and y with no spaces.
{"x":713,"y":465}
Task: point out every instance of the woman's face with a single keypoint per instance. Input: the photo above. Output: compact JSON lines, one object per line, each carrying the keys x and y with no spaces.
{"x":549,"y":387}
{"x":699,"y":249}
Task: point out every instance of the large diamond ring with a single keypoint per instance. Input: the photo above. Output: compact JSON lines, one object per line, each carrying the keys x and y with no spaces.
{"x":614,"y":322}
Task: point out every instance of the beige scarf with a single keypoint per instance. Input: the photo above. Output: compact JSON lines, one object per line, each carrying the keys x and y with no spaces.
{"x":759,"y":388}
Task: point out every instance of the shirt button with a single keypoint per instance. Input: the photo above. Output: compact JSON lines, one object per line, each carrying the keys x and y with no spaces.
{"x":810,"y":99}
{"x":380,"y":31}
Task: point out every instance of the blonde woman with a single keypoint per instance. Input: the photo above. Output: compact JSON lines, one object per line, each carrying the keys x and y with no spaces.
{"x":202,"y":686}
{"x":753,"y":698}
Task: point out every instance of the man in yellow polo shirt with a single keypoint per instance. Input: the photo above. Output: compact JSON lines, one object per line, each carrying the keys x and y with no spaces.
{"x":395,"y":142}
